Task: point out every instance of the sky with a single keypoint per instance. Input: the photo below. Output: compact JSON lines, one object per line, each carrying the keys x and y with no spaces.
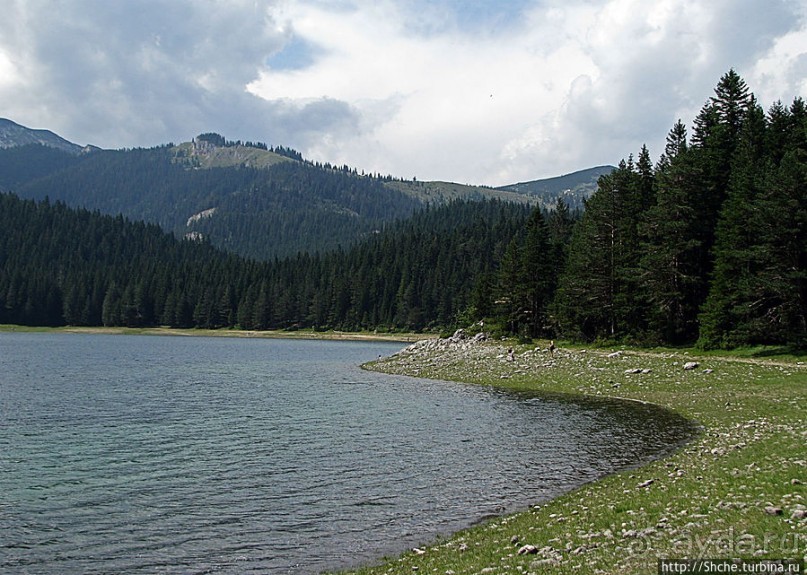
{"x":489,"y":92}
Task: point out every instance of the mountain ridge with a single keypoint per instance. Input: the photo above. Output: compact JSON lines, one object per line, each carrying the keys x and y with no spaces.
{"x":201,"y":153}
{"x":572,"y":187}
{"x":13,"y":134}
{"x":246,"y":198}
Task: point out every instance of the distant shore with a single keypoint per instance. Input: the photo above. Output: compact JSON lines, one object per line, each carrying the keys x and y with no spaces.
{"x":270,"y":334}
{"x":736,"y":491}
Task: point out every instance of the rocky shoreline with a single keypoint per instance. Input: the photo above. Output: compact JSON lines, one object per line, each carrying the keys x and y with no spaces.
{"x":737,"y":490}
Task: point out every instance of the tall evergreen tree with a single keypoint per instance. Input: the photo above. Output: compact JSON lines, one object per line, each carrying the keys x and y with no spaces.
{"x":737,"y":236}
{"x":671,"y":282}
{"x":597,"y":294}
{"x":717,"y":133}
{"x":758,"y":290}
{"x":538,"y":274}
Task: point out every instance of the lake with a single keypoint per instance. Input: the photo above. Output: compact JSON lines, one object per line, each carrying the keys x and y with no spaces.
{"x":167,"y":454}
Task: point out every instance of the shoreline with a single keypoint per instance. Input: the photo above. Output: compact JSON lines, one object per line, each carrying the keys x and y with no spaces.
{"x":735,"y":490}
{"x":193,"y":332}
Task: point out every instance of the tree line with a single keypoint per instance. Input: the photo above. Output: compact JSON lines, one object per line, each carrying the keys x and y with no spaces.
{"x":61,"y":266}
{"x":707,"y":246}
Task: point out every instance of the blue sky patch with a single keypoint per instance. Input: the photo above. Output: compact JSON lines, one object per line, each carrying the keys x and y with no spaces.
{"x":296,"y":54}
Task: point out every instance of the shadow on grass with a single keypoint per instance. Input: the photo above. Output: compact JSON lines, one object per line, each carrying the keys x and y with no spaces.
{"x":767,"y":351}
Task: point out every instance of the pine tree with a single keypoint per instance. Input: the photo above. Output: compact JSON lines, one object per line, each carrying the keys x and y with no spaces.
{"x":537,"y":273}
{"x":597,"y":295}
{"x":510,"y":292}
{"x":758,"y":291}
{"x":671,"y":283}
{"x":717,"y":133}
{"x":737,"y":235}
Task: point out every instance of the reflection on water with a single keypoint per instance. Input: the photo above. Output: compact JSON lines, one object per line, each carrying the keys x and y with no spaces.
{"x":175,"y":455}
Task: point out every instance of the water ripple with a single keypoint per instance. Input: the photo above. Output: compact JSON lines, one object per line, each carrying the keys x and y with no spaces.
{"x":139,"y":455}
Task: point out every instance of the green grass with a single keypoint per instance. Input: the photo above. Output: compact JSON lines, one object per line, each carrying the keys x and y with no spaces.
{"x":403,"y":337}
{"x":707,"y":500}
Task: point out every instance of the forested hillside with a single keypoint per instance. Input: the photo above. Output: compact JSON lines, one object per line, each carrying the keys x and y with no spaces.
{"x":61,"y":266}
{"x":709,"y":245}
{"x":245,"y":197}
{"x":574,"y":188}
{"x":255,"y":212}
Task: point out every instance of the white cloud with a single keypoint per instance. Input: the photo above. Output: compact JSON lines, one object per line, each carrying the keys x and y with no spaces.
{"x":482,"y":92}
{"x":9,"y":75}
{"x":781,"y":72}
{"x":566,"y":86}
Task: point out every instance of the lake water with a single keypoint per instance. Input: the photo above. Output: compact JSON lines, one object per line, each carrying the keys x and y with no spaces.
{"x":135,"y":454}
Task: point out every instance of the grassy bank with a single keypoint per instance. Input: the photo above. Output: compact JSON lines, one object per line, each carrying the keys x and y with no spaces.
{"x":274,"y":334}
{"x":737,"y":490}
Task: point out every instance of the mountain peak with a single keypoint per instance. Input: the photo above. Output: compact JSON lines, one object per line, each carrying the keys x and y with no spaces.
{"x":573,"y":187}
{"x":13,"y":135}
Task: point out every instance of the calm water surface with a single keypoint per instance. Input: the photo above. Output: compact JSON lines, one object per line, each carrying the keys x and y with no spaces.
{"x":135,"y":454}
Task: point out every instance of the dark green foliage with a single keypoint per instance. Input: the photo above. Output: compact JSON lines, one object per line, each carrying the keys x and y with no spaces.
{"x":22,"y":164}
{"x":720,"y":226}
{"x":292,"y":208}
{"x":708,"y":246}
{"x":759,"y":290}
{"x":671,"y":277}
{"x":60,"y":266}
{"x":598,"y":295}
{"x":257,"y":213}
{"x":526,"y":278}
{"x":212,"y":138}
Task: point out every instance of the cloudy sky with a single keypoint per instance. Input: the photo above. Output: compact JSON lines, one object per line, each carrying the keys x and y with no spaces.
{"x":474,"y":91}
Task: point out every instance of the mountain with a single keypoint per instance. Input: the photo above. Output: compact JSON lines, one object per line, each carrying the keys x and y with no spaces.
{"x":573,"y":188}
{"x":258,"y":212}
{"x":248,"y":198}
{"x":14,"y":135}
{"x":213,"y":151}
{"x":437,"y":192}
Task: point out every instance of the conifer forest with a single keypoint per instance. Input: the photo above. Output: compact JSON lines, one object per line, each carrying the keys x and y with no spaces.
{"x":705,"y":245}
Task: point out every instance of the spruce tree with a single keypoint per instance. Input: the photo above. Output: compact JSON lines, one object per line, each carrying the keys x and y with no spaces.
{"x":598,"y":292}
{"x":757,"y":293}
{"x":537,"y":272}
{"x":737,"y":235}
{"x":671,"y":283}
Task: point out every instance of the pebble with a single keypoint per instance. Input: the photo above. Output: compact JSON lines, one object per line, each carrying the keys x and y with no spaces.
{"x":772,"y":510}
